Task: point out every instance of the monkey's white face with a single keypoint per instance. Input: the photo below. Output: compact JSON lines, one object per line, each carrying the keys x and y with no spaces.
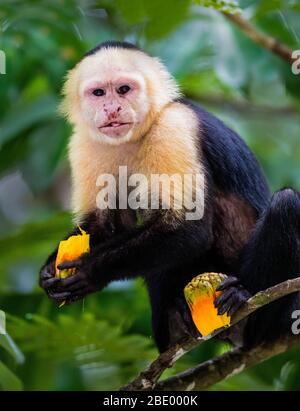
{"x":114,"y":104}
{"x":116,"y":94}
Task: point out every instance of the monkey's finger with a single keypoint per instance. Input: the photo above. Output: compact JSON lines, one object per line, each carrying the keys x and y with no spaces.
{"x":223,"y":297}
{"x":51,"y":269}
{"x":76,"y":286}
{"x":45,"y":275}
{"x":50,"y":282}
{"x":75,"y":278}
{"x":80,"y":293}
{"x":239,"y":298}
{"x":229,"y":282}
{"x":58,"y":296}
{"x":74,"y":298}
{"x":225,"y":307}
{"x":47,"y":272}
{"x":70,"y":264}
{"x":235,"y":307}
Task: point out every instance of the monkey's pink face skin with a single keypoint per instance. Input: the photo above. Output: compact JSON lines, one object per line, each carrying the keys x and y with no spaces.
{"x":111,"y":107}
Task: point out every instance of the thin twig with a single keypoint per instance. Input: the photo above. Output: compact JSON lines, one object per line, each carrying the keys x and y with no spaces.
{"x":268,"y":42}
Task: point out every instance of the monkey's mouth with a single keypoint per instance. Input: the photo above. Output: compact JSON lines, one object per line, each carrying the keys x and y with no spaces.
{"x":115,"y":129}
{"x":114,"y":124}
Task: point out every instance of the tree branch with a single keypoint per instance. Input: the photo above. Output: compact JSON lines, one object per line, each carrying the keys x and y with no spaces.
{"x":148,"y":378}
{"x":225,"y":366}
{"x":269,"y":43}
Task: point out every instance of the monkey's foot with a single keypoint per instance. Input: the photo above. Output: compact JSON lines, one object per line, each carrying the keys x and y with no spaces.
{"x":233,"y":296}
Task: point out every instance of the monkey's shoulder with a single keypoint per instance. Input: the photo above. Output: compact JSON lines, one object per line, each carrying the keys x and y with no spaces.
{"x":171,"y":146}
{"x":179,"y":118}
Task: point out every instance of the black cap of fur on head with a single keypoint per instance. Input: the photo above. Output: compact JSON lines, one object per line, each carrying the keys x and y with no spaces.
{"x":112,"y":44}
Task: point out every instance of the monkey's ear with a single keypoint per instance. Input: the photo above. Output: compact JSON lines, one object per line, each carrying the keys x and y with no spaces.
{"x":70,"y":91}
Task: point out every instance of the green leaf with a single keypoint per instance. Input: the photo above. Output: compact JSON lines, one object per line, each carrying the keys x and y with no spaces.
{"x":154,"y":14}
{"x":8,"y":380}
{"x":25,"y":114}
{"x":10,"y":346}
{"x":133,"y":11}
{"x":29,"y":247}
{"x":46,"y":147}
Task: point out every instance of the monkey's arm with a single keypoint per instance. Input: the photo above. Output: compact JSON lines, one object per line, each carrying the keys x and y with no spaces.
{"x":154,"y":249}
{"x":50,"y":283}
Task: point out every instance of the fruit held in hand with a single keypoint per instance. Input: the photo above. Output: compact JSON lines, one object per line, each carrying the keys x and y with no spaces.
{"x":72,"y":249}
{"x":200,"y":295}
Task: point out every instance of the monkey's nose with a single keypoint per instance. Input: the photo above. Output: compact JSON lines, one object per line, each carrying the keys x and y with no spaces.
{"x":112,"y":114}
{"x":112,"y":110}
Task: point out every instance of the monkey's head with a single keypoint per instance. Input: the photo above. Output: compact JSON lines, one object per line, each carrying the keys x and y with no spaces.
{"x":116,"y":91}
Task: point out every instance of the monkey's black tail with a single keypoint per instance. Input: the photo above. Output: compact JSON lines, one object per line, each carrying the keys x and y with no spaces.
{"x":272,"y":256}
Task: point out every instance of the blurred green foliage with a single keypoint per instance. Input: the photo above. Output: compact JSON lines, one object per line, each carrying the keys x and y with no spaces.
{"x":103,"y":342}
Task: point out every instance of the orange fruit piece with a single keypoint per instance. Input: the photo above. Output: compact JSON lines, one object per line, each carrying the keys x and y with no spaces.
{"x":72,"y":249}
{"x":200,"y":295}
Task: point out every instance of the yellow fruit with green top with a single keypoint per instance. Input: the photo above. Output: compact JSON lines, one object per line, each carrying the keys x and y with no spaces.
{"x":200,"y":294}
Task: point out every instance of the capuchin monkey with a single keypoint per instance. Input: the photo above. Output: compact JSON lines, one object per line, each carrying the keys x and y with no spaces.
{"x":126,"y":110}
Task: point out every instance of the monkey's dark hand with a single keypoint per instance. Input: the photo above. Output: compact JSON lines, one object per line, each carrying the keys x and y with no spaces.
{"x":233,"y":296}
{"x":48,"y":282}
{"x":78,"y":285}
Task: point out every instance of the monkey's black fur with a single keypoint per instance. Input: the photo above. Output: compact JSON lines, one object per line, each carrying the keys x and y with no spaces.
{"x":238,"y":203}
{"x":114,"y":44}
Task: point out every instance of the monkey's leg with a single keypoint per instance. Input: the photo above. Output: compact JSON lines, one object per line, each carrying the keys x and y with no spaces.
{"x":171,"y":317}
{"x":272,"y":256}
{"x":159,"y":306}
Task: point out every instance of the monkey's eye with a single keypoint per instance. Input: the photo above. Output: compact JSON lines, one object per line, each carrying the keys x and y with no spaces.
{"x":98,"y":92}
{"x":123,"y":89}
